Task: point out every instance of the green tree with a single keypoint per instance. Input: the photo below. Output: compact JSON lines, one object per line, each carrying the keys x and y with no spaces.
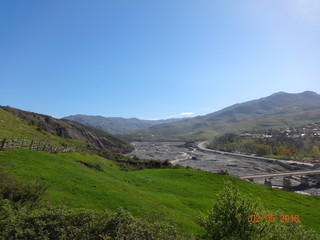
{"x":285,"y":152}
{"x":316,"y":152}
{"x":230,"y":218}
{"x":262,"y":149}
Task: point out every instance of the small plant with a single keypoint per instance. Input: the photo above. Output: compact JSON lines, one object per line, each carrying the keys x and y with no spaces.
{"x":223,"y":172}
{"x":20,"y":193}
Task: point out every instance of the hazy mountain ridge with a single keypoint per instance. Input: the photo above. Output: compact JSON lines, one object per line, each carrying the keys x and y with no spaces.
{"x":275,"y":111}
{"x":72,"y":130}
{"x":118,"y":125}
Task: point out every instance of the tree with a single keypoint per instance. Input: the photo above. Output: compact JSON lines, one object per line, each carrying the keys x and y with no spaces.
{"x":316,"y":152}
{"x":262,"y":149}
{"x":230,"y":218}
{"x":284,"y":151}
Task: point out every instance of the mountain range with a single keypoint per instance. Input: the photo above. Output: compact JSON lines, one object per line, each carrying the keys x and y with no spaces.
{"x":118,"y":125}
{"x":279,"y":110}
{"x":276,"y":111}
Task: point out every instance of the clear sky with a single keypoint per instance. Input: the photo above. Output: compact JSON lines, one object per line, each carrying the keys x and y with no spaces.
{"x":154,"y":59}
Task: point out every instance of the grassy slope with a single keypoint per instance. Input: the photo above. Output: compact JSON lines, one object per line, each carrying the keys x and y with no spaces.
{"x":13,"y":127}
{"x":175,"y":194}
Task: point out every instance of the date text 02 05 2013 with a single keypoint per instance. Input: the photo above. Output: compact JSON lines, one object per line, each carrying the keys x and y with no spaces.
{"x":256,"y":218}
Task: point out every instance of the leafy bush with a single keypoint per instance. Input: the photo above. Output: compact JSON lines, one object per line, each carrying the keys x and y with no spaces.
{"x":63,"y":223}
{"x":230,"y":219}
{"x":19,"y":192}
{"x":123,"y":226}
{"x":50,"y":223}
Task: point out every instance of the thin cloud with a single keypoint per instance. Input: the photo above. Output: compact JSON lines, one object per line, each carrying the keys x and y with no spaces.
{"x":180,"y":115}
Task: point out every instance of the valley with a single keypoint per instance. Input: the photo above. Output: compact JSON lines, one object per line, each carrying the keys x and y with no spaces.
{"x":80,"y":166}
{"x":160,"y":120}
{"x":196,"y":156}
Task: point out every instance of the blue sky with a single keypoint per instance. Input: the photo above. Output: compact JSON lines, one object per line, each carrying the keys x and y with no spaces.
{"x":154,"y":59}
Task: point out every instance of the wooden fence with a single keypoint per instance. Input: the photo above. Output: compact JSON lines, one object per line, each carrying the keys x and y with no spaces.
{"x":7,"y":144}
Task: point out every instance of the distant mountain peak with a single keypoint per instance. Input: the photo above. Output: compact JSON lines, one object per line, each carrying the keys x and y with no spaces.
{"x":309,"y":93}
{"x":305,"y":94}
{"x":279,"y":93}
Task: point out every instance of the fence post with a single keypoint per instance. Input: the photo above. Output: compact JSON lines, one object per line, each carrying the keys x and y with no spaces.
{"x":2,"y":143}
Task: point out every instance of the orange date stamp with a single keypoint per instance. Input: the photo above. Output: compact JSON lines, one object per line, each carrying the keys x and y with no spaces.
{"x":283,"y":218}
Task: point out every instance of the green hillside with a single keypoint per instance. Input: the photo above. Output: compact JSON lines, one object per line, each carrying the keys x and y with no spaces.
{"x":177,"y":195}
{"x":67,"y":129}
{"x":279,"y":110}
{"x":13,"y":127}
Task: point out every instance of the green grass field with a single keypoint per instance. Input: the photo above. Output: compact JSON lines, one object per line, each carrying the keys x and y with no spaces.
{"x":177,"y":195}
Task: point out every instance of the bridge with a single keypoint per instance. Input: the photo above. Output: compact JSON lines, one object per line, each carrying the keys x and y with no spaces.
{"x":282,"y":174}
{"x":287,"y":177}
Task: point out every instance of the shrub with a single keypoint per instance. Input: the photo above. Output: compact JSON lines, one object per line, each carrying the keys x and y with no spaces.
{"x":19,"y":192}
{"x":230,"y":219}
{"x":123,"y":226}
{"x":223,"y":172}
{"x":63,"y":223}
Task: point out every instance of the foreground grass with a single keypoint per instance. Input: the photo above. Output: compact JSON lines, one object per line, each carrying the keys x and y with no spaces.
{"x":175,"y":195}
